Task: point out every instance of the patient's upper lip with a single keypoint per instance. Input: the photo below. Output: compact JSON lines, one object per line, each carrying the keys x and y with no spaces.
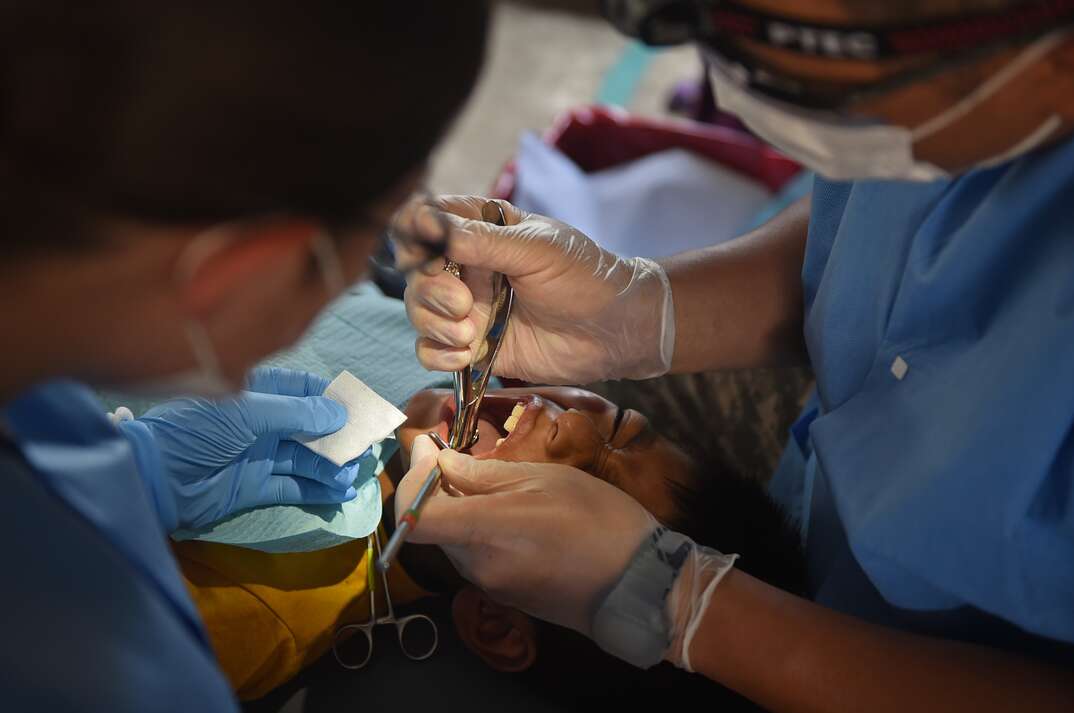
{"x":533,"y":406}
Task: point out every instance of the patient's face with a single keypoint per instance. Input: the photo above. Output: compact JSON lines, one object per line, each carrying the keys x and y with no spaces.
{"x":568,"y":426}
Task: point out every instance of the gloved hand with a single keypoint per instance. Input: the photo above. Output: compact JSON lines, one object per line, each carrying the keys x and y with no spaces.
{"x":569,"y":548}
{"x":548,"y":539}
{"x":205,"y":459}
{"x":581,"y":313}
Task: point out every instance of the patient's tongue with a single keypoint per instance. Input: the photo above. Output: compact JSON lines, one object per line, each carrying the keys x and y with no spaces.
{"x":487,"y":435}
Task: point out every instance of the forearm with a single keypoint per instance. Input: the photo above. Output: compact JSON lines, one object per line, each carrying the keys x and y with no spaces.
{"x":739,"y":304}
{"x":793,"y":656}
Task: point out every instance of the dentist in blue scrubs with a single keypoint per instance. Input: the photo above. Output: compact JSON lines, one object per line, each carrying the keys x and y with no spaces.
{"x":183,"y":187}
{"x":928,"y":281}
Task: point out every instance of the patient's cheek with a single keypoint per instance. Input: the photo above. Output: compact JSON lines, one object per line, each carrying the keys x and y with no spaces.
{"x":575,"y":442}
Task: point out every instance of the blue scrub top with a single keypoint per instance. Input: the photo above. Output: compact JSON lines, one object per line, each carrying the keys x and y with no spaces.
{"x":93,"y":612}
{"x":933,"y":471}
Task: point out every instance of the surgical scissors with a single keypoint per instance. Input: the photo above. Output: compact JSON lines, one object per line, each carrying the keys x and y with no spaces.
{"x":400,"y":624}
{"x":470,"y":384}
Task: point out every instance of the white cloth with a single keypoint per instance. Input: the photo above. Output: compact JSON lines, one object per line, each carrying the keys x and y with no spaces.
{"x":659,"y":205}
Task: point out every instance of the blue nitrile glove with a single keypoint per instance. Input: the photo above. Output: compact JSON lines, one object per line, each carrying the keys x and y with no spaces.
{"x":205,"y":459}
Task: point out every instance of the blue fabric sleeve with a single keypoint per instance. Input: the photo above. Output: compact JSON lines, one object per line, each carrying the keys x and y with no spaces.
{"x":940,"y":324}
{"x":151,"y":470}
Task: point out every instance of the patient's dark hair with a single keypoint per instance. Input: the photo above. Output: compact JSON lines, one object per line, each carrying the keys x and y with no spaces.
{"x":201,"y":111}
{"x":733,"y":513}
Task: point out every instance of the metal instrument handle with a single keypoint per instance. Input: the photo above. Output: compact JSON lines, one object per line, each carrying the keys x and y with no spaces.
{"x":400,"y":627}
{"x":471,"y":382}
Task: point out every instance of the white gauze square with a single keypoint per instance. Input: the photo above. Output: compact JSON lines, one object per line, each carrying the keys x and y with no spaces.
{"x":369,"y":419}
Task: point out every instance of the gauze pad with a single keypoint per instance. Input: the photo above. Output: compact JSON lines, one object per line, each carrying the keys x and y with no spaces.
{"x":294,"y":528}
{"x":290,"y":528}
{"x":369,"y":419}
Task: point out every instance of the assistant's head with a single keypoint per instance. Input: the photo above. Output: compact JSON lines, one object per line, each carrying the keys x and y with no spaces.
{"x":164,"y":165}
{"x":970,"y":81}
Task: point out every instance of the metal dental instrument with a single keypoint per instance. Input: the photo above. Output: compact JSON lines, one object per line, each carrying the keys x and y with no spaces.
{"x":420,"y":654}
{"x":410,"y":518}
{"x":438,"y":440}
{"x":470,"y":384}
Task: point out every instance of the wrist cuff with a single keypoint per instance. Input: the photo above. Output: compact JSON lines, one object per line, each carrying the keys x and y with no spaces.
{"x":631,"y":622}
{"x":700,"y":580}
{"x":655,"y":359}
{"x":151,"y":469}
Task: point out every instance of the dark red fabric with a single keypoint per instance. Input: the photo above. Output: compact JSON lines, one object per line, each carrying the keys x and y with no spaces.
{"x":597,"y":137}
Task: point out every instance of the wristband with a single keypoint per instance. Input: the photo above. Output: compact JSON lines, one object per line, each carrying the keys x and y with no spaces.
{"x":631,"y":623}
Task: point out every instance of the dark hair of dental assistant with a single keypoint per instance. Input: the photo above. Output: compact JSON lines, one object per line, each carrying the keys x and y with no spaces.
{"x":199,"y":112}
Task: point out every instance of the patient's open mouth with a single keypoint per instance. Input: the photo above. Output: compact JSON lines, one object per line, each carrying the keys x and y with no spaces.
{"x":512,"y":422}
{"x":501,"y":419}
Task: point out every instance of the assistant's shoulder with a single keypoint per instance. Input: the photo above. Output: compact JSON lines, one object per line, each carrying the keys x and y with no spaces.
{"x":82,"y":629}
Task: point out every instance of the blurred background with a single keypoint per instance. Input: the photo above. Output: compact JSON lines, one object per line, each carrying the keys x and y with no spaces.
{"x":545,"y":57}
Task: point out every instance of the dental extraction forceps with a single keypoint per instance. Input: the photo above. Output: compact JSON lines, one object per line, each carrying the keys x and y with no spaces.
{"x":470,"y":384}
{"x":400,"y":624}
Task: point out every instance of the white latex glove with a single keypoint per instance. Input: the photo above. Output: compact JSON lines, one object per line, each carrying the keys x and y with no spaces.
{"x":690,"y":597}
{"x":548,"y":539}
{"x":581,"y":313}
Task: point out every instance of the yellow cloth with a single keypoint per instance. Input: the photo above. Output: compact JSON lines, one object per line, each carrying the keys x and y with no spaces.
{"x":270,"y":615}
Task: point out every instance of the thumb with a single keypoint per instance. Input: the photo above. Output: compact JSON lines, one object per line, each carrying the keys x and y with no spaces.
{"x":266,"y":414}
{"x":443,"y":520}
{"x":422,"y":459}
{"x":481,"y":477}
{"x":423,"y":448}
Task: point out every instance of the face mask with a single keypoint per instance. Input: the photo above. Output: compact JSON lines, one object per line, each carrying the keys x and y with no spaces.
{"x":206,"y":378}
{"x":845,"y":149}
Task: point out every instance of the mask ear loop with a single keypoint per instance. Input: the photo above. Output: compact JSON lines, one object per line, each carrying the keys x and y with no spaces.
{"x":1037,"y":50}
{"x":198,"y":251}
{"x":331,"y":267}
{"x":204,"y":352}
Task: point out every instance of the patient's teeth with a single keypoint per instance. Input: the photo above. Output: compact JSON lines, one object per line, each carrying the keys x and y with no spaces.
{"x":512,"y":420}
{"x":499,"y":441}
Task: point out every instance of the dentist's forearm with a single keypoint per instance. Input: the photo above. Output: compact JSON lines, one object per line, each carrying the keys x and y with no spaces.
{"x":739,"y":304}
{"x":793,"y":656}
